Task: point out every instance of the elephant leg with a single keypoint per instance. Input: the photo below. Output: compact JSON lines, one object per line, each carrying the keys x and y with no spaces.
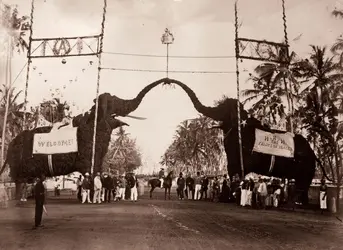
{"x":169,"y":192}
{"x":165,"y":193}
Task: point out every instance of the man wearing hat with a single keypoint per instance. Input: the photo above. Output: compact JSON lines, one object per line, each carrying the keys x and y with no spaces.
{"x":40,"y":191}
{"x":161,"y":176}
{"x":86,"y":188}
{"x":181,"y":182}
{"x":97,"y":188}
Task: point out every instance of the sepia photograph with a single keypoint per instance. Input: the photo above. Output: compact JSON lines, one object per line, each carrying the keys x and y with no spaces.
{"x":171,"y":124}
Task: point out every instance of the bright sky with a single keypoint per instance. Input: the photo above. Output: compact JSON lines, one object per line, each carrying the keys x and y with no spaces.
{"x":200,"y":28}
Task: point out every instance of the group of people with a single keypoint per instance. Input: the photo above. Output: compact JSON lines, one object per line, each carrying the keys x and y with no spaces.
{"x":264,"y":193}
{"x":106,"y":187}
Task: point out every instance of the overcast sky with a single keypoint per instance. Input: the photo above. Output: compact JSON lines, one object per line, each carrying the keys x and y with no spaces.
{"x":200,"y":28}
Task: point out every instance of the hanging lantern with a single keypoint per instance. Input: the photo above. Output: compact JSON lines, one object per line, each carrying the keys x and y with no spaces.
{"x":40,"y":73}
{"x":64,"y":61}
{"x":64,"y":86}
{"x":83,"y":70}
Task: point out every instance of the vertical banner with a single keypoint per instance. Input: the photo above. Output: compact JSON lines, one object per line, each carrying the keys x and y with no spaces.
{"x":274,"y":143}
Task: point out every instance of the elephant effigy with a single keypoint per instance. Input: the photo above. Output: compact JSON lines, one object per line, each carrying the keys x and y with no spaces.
{"x":25,"y":165}
{"x":300,"y":167}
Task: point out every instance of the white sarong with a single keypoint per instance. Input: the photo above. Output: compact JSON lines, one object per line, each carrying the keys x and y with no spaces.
{"x":243,"y":197}
{"x":323,"y":203}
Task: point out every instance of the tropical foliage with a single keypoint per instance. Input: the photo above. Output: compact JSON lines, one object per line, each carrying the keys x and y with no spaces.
{"x":314,"y":95}
{"x":196,"y":146}
{"x":123,"y":154}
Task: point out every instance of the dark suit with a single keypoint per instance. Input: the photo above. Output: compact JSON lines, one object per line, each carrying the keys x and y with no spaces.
{"x":40,"y":200}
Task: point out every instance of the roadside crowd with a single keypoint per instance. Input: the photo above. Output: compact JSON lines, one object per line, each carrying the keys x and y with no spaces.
{"x":106,"y":188}
{"x":262,"y":193}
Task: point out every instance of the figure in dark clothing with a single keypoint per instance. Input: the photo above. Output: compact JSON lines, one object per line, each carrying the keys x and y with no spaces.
{"x":204,"y":188}
{"x":115,"y":187}
{"x":40,"y":191}
{"x":292,"y":194}
{"x":79,"y":188}
{"x":224,"y":197}
{"x":108,"y":186}
{"x":181,"y":182}
{"x":215,"y":189}
{"x":189,"y":187}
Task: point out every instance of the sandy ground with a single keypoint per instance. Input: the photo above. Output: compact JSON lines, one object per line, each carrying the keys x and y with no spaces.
{"x":160,"y":224}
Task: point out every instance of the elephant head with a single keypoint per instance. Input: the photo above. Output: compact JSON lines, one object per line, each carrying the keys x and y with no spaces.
{"x":225,"y":112}
{"x":109,"y":107}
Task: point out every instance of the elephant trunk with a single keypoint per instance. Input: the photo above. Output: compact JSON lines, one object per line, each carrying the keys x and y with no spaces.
{"x":211,"y":112}
{"x":129,"y":106}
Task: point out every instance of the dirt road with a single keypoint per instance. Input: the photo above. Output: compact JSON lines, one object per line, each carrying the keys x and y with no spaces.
{"x":159,"y":224}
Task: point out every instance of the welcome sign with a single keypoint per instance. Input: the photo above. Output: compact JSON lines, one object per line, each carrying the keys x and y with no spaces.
{"x":274,"y":144}
{"x":56,"y":142}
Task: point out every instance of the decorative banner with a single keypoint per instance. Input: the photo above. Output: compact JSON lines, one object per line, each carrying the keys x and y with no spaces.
{"x":274,"y":144}
{"x":57,"y":142}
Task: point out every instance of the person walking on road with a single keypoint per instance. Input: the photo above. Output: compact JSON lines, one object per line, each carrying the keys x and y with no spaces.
{"x":97,"y":189}
{"x":40,"y":194}
{"x":197,"y":182}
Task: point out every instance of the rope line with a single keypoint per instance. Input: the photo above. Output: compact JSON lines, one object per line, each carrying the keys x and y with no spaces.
{"x":28,"y":62}
{"x":98,"y":84}
{"x":163,"y":56}
{"x":171,"y":71}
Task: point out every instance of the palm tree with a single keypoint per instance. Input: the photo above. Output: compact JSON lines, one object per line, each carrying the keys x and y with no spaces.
{"x":282,"y":79}
{"x":196,"y":145}
{"x":323,"y":97}
{"x":15,"y":29}
{"x":268,"y":96}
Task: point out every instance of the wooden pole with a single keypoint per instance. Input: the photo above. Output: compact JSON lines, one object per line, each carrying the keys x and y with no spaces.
{"x":238,"y":90}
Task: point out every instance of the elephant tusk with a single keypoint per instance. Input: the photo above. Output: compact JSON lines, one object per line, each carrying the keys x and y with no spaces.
{"x":131,"y":116}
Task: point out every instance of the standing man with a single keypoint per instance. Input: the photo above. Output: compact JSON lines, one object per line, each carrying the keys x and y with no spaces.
{"x":79,"y":187}
{"x":108,"y":186}
{"x":40,"y":193}
{"x":133,"y":186}
{"x":189,"y":187}
{"x":197,"y":182}
{"x":97,"y":189}
{"x":86,"y":188}
{"x":262,"y":192}
{"x":323,"y":193}
{"x":181,"y":182}
{"x":204,"y":186}
{"x":122,"y":186}
{"x":161,"y":176}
